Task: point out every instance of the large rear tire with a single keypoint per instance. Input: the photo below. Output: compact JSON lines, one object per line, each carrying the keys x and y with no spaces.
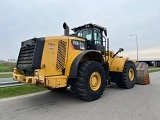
{"x":128,"y":76}
{"x":90,"y":82}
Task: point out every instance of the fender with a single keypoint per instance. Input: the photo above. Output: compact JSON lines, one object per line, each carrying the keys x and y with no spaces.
{"x":74,"y":67}
{"x":70,"y":60}
{"x":117,"y":64}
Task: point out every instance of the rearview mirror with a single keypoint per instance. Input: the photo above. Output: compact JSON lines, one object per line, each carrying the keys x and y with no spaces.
{"x":121,"y":49}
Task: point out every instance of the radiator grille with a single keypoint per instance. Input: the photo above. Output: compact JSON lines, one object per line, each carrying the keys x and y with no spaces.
{"x":30,"y":56}
{"x":61,"y":55}
{"x":26,"y":55}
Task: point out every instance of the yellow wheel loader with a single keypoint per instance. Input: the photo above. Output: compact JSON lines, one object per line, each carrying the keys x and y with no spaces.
{"x":81,"y":61}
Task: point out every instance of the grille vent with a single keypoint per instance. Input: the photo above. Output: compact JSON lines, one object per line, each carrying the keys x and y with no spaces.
{"x":26,"y":55}
{"x":30,"y":56}
{"x":61,"y":55}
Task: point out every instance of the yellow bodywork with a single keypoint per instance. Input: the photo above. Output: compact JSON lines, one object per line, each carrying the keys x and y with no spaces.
{"x":53,"y":61}
{"x":116,"y":63}
{"x":59,"y":54}
{"x":49,"y":56}
{"x":18,"y":76}
{"x":56,"y":81}
{"x":71,"y":58}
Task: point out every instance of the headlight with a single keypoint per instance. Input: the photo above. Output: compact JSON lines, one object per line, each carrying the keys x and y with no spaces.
{"x":14,"y":70}
{"x":36,"y":73}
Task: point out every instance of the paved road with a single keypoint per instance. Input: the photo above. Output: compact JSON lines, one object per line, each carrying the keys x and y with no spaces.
{"x":6,"y":72}
{"x":6,"y":80}
{"x":140,"y":103}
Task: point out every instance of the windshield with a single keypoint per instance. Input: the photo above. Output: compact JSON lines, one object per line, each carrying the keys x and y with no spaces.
{"x":86,"y":34}
{"x":96,"y":36}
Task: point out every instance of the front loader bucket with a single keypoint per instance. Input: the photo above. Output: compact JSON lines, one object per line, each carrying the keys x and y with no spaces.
{"x":142,"y":73}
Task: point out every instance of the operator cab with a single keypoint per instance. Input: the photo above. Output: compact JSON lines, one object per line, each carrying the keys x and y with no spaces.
{"x":93,"y":34}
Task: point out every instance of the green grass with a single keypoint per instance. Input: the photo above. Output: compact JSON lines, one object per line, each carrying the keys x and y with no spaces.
{"x":5,"y":75}
{"x":19,"y":90}
{"x":154,"y":70}
{"x":7,"y":67}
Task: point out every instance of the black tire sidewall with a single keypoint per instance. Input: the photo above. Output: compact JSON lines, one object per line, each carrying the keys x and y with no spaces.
{"x":130,"y":65}
{"x":94,"y":67}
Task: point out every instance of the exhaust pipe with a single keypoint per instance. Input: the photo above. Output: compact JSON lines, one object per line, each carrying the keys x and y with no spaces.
{"x":66,"y":29}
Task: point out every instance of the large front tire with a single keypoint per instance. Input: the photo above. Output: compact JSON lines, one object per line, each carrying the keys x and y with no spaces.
{"x":90,"y":82}
{"x":128,"y":76}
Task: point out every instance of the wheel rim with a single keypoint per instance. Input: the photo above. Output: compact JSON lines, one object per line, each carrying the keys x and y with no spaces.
{"x":131,"y":74}
{"x":95,"y":81}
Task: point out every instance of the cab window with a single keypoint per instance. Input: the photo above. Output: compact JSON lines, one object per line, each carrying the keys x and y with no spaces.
{"x":85,"y":34}
{"x":97,"y":36}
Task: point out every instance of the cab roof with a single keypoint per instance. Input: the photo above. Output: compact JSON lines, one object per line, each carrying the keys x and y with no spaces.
{"x":90,"y":25}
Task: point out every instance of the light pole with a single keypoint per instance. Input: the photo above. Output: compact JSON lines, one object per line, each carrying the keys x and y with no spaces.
{"x":136,"y":44}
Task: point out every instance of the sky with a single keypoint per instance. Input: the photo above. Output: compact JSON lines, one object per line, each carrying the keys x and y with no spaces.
{"x":24,"y":19}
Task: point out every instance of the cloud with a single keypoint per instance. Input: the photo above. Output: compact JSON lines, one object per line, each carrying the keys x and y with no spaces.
{"x":147,"y":54}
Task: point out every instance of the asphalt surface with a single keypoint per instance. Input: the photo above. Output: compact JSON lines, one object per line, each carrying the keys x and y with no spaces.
{"x":6,"y":82}
{"x":6,"y":72}
{"x":140,"y":103}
